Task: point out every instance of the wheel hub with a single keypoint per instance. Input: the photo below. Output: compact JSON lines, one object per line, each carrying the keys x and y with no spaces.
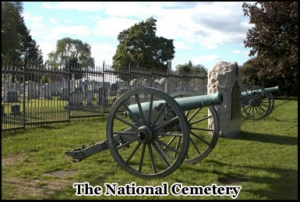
{"x":254,"y":102}
{"x":144,"y":134}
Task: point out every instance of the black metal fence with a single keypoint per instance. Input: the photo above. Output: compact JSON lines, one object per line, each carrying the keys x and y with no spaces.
{"x":32,"y":95}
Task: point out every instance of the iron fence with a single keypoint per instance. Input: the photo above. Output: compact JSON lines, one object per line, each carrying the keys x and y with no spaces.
{"x":32,"y":95}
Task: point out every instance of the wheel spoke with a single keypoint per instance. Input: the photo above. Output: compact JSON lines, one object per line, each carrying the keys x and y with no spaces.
{"x":159,"y":114}
{"x":205,"y":118}
{"x":200,"y":138}
{"x":133,"y":152}
{"x":195,"y":146}
{"x":194,"y":114}
{"x":165,"y":123}
{"x":140,"y":108}
{"x":151,"y":158}
{"x":126,"y":122}
{"x":132,"y":114}
{"x":167,"y":146}
{"x":159,"y":151}
{"x":150,"y":109}
{"x":126,"y":144}
{"x":142,"y":158}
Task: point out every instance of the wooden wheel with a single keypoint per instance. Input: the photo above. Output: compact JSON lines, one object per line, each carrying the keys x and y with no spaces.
{"x":136,"y":138}
{"x":256,"y":102}
{"x":203,"y":137}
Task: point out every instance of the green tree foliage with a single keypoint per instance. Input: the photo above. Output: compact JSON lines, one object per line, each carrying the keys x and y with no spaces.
{"x":16,"y":42}
{"x":249,"y":74}
{"x":189,"y":68}
{"x":274,"y":41}
{"x":28,"y":48}
{"x":10,"y":20}
{"x":71,"y":53}
{"x":140,"y":47}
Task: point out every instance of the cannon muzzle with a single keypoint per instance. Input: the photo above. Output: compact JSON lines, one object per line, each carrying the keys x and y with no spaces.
{"x":186,"y":103}
{"x":269,"y":90}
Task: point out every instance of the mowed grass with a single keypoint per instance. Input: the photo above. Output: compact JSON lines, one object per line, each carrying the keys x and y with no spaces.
{"x":263,"y":160}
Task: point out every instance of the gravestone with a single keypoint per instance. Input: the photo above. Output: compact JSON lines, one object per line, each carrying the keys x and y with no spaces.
{"x":9,"y":85}
{"x":64,"y":95}
{"x":76,"y":99}
{"x":72,"y":86}
{"x":226,"y":78}
{"x":146,"y":83}
{"x":114,"y":89}
{"x":3,"y":114}
{"x":88,"y":97}
{"x":158,"y":84}
{"x":100,"y":98}
{"x":172,"y":86}
{"x":11,"y":97}
{"x":46,"y":92}
{"x":31,"y":90}
{"x":15,"y":110}
{"x":17,"y":86}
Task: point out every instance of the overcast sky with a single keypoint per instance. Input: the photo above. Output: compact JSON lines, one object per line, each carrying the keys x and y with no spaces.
{"x":203,"y":32}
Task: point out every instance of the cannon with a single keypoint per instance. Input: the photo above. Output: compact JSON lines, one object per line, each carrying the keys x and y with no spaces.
{"x":257,"y":102}
{"x":150,"y":133}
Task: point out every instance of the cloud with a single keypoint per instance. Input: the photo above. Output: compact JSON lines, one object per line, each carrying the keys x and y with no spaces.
{"x":111,"y":26}
{"x":53,"y":20}
{"x":181,"y":45}
{"x":207,"y":59}
{"x":103,"y":52}
{"x":80,"y":6}
{"x":46,"y":48}
{"x":26,"y":16}
{"x":74,"y":30}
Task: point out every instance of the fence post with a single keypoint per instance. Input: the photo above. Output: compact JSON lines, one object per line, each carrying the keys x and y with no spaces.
{"x":69,"y":76}
{"x":102,"y":97}
{"x":129,"y":69}
{"x":168,"y":75}
{"x":24,"y":105}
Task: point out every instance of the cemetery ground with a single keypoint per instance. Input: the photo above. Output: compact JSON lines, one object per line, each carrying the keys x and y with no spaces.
{"x":263,"y":160}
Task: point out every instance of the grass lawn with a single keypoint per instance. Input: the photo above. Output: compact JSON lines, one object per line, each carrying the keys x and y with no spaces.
{"x":263,"y":161}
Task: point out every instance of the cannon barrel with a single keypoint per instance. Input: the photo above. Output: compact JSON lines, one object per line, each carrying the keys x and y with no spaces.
{"x":269,"y":90}
{"x":186,"y":103}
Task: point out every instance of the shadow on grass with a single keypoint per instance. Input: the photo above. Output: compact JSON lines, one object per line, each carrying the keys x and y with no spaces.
{"x":286,"y":98}
{"x":268,"y":138}
{"x":283,"y":186}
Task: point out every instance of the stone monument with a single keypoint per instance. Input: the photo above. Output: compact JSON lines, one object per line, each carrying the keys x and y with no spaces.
{"x":226,"y":78}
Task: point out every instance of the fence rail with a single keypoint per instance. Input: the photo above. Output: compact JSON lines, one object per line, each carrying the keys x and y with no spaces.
{"x":35,"y":95}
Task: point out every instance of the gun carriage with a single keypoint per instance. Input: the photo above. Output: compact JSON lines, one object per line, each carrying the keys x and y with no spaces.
{"x":150,"y":133}
{"x":257,"y":102}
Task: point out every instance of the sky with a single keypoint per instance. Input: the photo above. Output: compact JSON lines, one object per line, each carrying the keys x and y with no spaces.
{"x":204,"y":33}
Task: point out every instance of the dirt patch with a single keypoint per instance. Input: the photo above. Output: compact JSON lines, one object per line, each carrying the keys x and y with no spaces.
{"x":24,"y":188}
{"x":9,"y":161}
{"x":60,"y":173}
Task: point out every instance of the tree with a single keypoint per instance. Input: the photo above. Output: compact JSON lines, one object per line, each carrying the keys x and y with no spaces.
{"x":274,"y":41}
{"x":189,"y":68}
{"x":16,"y":42}
{"x":249,"y":74}
{"x":140,"y":47}
{"x":71,"y":53}
{"x":29,"y":50}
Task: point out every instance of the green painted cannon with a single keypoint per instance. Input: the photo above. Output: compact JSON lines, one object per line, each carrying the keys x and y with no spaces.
{"x":150,"y":133}
{"x":257,"y":102}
